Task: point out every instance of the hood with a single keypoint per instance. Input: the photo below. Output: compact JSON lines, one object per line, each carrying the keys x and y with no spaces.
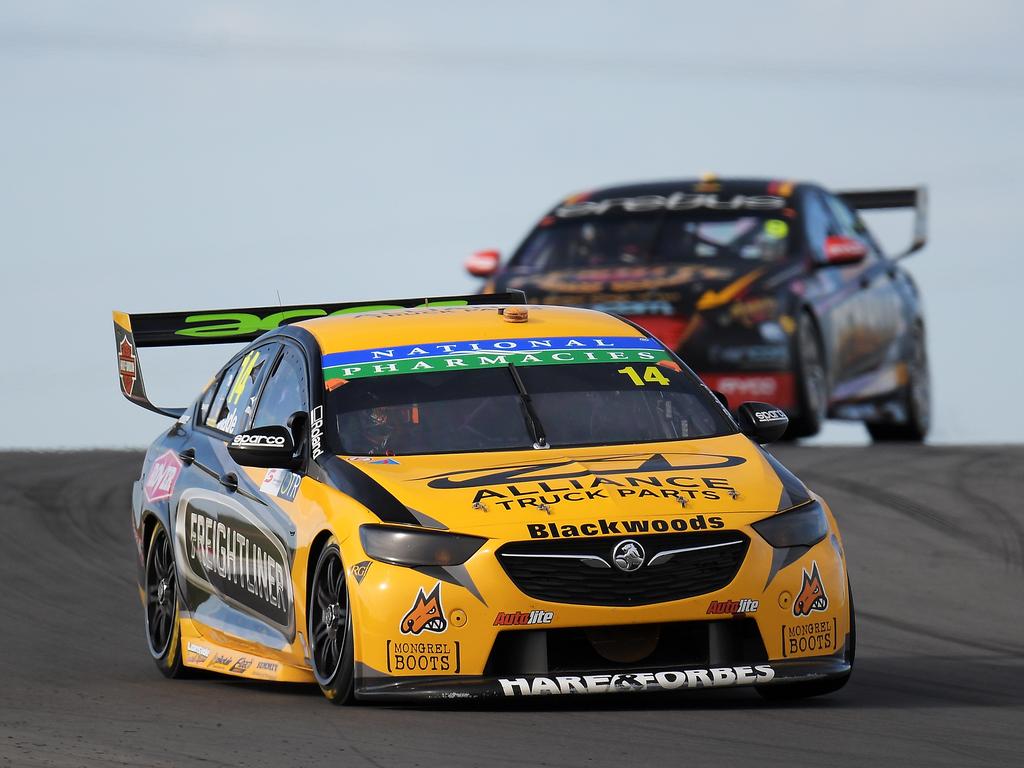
{"x":726,"y":478}
{"x":679,"y":289}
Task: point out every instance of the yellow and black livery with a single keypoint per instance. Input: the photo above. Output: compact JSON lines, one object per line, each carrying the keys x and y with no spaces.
{"x":461,"y":497}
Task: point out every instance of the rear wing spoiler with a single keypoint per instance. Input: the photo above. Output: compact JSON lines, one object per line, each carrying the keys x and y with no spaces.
{"x":901,"y":197}
{"x":233,"y":326}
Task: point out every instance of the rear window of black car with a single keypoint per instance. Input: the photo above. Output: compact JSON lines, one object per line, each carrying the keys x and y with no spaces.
{"x":643,"y":239}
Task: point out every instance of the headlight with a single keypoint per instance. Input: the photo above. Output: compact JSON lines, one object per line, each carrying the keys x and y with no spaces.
{"x":772,"y":332}
{"x":400,"y":546}
{"x":805,"y":525}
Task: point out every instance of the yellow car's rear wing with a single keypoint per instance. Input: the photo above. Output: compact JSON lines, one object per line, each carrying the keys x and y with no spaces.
{"x":900,"y":197}
{"x":227,"y":326}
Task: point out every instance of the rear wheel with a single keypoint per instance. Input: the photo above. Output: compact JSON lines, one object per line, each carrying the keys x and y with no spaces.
{"x":916,"y":400}
{"x":163,"y":631}
{"x":330,"y":627}
{"x":790,"y":691}
{"x":811,"y":381}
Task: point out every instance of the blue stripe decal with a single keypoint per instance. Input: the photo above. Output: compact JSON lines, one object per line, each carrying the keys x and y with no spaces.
{"x":488,"y":346}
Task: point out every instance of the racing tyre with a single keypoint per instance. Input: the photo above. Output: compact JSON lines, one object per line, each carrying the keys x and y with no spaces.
{"x":330,"y":627}
{"x":163,"y":630}
{"x":811,"y":381}
{"x":791,"y":691}
{"x":916,"y":401}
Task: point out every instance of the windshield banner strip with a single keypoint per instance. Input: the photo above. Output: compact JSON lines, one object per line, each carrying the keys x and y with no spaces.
{"x":638,"y":351}
{"x":486,"y":347}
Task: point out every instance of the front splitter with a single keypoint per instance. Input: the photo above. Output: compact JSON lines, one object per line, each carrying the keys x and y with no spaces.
{"x":652,"y":680}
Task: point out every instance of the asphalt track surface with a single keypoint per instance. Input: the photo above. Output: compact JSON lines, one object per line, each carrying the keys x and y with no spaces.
{"x":935,"y":541}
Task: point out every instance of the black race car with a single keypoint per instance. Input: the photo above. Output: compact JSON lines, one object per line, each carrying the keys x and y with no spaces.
{"x":770,"y":290}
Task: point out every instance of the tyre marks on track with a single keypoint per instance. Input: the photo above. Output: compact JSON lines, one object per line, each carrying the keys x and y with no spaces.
{"x":993,"y":507}
{"x":948,"y":472}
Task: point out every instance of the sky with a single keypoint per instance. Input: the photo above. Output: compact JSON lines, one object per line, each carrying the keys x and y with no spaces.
{"x":196,"y":155}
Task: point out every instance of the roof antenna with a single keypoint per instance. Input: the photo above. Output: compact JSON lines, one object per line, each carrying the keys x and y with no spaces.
{"x":279,"y":303}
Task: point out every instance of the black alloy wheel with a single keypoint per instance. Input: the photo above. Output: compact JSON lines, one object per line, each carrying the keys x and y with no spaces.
{"x":330,"y":626}
{"x":917,"y":400}
{"x":811,"y":380}
{"x":161,"y":589}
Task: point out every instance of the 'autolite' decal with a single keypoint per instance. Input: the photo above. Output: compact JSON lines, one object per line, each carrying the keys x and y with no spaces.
{"x":523,"y":618}
{"x":746,"y":605}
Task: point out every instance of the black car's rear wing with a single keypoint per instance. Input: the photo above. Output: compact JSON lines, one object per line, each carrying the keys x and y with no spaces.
{"x":905,"y":197}
{"x":232,"y":326}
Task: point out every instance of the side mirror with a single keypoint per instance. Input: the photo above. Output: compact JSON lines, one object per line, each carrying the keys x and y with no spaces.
{"x":298,"y":425}
{"x":483,"y":263}
{"x":266,"y":447}
{"x":840,"y":250}
{"x":762,"y":422}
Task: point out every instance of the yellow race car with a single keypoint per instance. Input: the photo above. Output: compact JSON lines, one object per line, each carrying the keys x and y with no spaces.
{"x":466,"y":496}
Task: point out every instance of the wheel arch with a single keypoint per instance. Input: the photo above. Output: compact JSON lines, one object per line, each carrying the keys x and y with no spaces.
{"x":806,"y":308}
{"x":315,"y":548}
{"x":149,"y":521}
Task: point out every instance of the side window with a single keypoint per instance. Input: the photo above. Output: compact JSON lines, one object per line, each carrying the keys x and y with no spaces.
{"x":216,"y":410}
{"x":235,"y":400}
{"x":818,"y":222}
{"x":286,"y":391}
{"x":844,"y":216}
{"x":205,"y":400}
{"x":851,"y":225}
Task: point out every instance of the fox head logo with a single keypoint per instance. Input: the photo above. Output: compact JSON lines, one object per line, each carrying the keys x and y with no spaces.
{"x":426,"y":614}
{"x":812,"y":595}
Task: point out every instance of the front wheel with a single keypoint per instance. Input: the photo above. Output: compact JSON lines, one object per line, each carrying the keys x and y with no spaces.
{"x":916,"y":401}
{"x":811,"y":381}
{"x":330,"y":627}
{"x":163,"y":630}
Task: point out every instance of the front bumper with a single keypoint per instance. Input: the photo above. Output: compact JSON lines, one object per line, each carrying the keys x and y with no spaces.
{"x":775,"y":387}
{"x":493,"y":631}
{"x":651,"y":680}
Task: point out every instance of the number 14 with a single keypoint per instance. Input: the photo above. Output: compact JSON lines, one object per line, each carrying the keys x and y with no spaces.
{"x":651,"y":375}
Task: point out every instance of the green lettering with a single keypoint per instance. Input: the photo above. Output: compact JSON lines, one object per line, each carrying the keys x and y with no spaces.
{"x":270,"y":322}
{"x":227,"y":324}
{"x":239,"y":324}
{"x":367,"y":308}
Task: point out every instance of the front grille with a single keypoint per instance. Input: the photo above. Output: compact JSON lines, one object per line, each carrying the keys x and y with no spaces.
{"x":581,"y":571}
{"x":678,"y":645}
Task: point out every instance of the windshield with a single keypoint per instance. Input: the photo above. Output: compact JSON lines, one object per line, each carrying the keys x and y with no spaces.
{"x":655,"y":238}
{"x":484,"y":410}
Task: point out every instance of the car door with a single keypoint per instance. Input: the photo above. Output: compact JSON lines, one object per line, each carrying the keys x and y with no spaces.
{"x":284,"y":401}
{"x":848,"y":297}
{"x":234,"y":548}
{"x":877,"y":324}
